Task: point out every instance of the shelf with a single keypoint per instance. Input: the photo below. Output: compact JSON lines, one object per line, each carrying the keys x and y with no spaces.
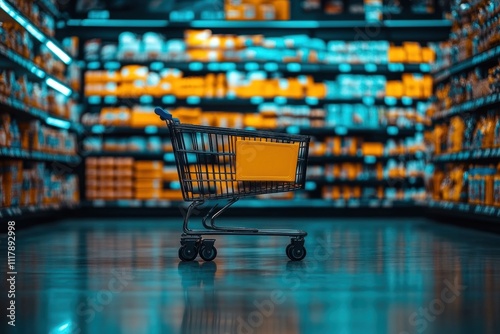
{"x":16,"y":212}
{"x":229,"y":25}
{"x":258,"y":203}
{"x":17,"y":108}
{"x":245,"y":105}
{"x":469,"y":156}
{"x":367,"y":159}
{"x":16,"y":153}
{"x":395,"y":182}
{"x":466,"y":210}
{"x":33,"y":72}
{"x":342,"y":131}
{"x":119,"y":131}
{"x":469,"y":106}
{"x":313,"y":160}
{"x":8,"y":11}
{"x":468,"y":64}
{"x":167,"y":157}
{"x":270,"y":66}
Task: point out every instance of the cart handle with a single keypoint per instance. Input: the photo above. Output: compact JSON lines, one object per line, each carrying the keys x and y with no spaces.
{"x":165,"y":115}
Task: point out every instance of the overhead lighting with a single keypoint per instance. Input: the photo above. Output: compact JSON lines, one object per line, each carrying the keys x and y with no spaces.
{"x":59,"y":52}
{"x":58,"y":86}
{"x":59,"y":123}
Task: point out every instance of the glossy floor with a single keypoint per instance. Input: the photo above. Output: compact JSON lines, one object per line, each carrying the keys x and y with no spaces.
{"x":360,"y":276}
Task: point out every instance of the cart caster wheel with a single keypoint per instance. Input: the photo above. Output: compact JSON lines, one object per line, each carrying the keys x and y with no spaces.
{"x":288,"y":248}
{"x":187,"y":253}
{"x":208,"y":252}
{"x":296,"y":252}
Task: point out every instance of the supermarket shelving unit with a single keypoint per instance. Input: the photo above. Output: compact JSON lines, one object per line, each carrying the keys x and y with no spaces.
{"x":19,"y":110}
{"x":472,"y":213}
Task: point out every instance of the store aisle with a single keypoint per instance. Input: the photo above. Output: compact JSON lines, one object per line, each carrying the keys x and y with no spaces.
{"x":360,"y":276}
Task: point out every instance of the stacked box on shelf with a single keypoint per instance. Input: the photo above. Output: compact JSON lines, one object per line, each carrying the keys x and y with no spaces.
{"x":474,"y":184}
{"x":37,"y":185}
{"x":148,"y":179}
{"x":134,"y":81}
{"x":109,"y":178}
{"x":257,"y":10}
{"x":171,"y":177}
{"x":204,"y":46}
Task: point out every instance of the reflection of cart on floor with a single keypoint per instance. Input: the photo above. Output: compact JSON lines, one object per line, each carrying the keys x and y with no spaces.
{"x":221,"y":163}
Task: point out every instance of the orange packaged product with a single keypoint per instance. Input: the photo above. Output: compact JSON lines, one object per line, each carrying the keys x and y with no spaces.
{"x":173,"y":195}
{"x":266,"y":12}
{"x":196,"y":38}
{"x":396,"y":54}
{"x":147,"y":194}
{"x":93,"y":77}
{"x":413,"y":52}
{"x":317,"y":90}
{"x":394,"y":88}
{"x":282,"y":9}
{"x":375,"y":149}
{"x":335,"y":193}
{"x":148,"y":166}
{"x":428,"y":55}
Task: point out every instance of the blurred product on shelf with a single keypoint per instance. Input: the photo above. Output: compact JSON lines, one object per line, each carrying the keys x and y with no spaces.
{"x":123,"y":178}
{"x":16,"y":38}
{"x":203,"y":46}
{"x":270,"y":115}
{"x":36,"y":186}
{"x":473,"y":31}
{"x":346,"y":193}
{"x":494,"y":79}
{"x":257,"y":10}
{"x":466,"y":132}
{"x":473,"y":184}
{"x":393,"y":169}
{"x":464,"y":87}
{"x":31,"y":9}
{"x":358,"y":146}
{"x":134,"y":81}
{"x":18,"y":88}
{"x":33,"y":136}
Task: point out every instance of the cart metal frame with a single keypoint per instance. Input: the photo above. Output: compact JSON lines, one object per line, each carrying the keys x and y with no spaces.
{"x":205,"y":160}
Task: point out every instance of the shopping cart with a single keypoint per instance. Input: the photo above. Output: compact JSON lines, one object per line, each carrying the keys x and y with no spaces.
{"x":221,"y":163}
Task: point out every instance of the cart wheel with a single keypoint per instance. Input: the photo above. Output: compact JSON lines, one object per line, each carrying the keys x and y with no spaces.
{"x":208,"y":253}
{"x":295,"y":252}
{"x":187,"y":253}
{"x":288,"y":248}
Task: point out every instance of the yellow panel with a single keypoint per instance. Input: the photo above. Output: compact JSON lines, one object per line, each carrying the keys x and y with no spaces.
{"x":263,"y":161}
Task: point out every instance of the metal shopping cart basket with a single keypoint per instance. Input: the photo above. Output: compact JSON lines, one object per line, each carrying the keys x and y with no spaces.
{"x":221,"y":163}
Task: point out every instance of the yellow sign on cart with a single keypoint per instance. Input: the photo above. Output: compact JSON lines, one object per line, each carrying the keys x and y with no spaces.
{"x":266,"y":161}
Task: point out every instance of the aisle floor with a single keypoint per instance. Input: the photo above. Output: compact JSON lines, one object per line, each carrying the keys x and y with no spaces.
{"x":360,"y":276}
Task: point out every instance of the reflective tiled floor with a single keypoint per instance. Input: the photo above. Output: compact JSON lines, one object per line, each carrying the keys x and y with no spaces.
{"x":360,"y":276}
